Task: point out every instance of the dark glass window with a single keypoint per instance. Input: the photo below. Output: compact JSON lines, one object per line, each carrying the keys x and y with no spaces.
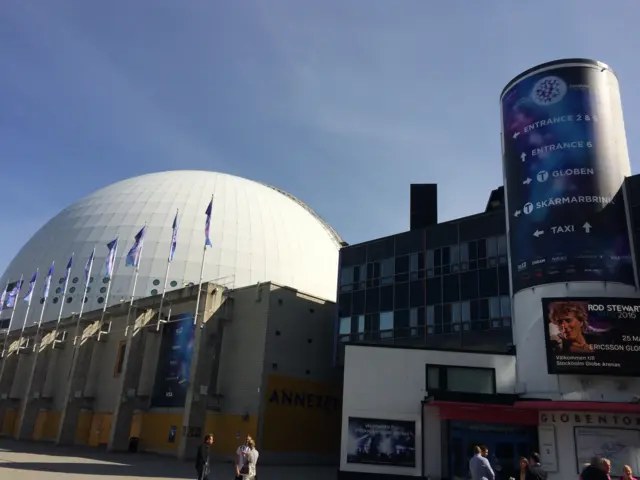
{"x":488,"y":282}
{"x":401,"y":321}
{"x":482,"y":248}
{"x":434,"y":291}
{"x":402,"y":264}
{"x":416,"y":295}
{"x":401,"y":296}
{"x":503,"y":280}
{"x":373,"y":300}
{"x":386,"y":298}
{"x":473,"y":251}
{"x":468,"y":285}
{"x":344,"y":303}
{"x":450,"y":288}
{"x":357,"y":306}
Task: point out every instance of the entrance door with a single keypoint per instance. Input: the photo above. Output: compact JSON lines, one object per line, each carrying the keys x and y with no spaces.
{"x":506,"y":443}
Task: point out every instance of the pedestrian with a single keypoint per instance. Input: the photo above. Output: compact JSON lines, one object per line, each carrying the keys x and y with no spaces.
{"x":203,"y":457}
{"x":595,"y":470}
{"x":240,"y":455}
{"x":479,"y":466}
{"x":250,"y":460}
{"x":606,"y":464}
{"x":627,"y":473}
{"x":535,"y":470}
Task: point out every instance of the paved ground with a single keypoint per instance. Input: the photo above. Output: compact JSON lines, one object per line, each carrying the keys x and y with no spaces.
{"x":31,"y":461}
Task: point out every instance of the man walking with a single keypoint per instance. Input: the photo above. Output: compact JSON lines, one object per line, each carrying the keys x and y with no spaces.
{"x":535,"y":470}
{"x":240,"y":456}
{"x":479,"y":466}
{"x":203,"y":456}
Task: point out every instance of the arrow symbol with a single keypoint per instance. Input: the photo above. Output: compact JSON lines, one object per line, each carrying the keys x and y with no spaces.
{"x":537,"y":233}
{"x":527,"y":181}
{"x":523,"y":156}
{"x":516,"y":135}
{"x":517,"y":213}
{"x":587,"y":227}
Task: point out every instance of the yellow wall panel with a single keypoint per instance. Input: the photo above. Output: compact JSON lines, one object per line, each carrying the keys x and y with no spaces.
{"x":155,"y":431}
{"x":50,"y":426}
{"x":136,"y":425}
{"x":100,"y":429}
{"x":38,"y":428}
{"x":301,"y":416}
{"x":83,"y":427}
{"x":9,"y":421}
{"x":225,"y":430}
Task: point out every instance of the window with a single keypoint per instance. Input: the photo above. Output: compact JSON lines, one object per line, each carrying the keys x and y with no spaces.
{"x":465,"y":311}
{"x":122,"y":348}
{"x":346,"y":276}
{"x":156,"y":282}
{"x":387,"y":271}
{"x":455,"y":314}
{"x":413,"y":322}
{"x":69,"y":299}
{"x":154,"y":291}
{"x":75,"y":280}
{"x":494,"y":307}
{"x":430,"y":263}
{"x":72,"y":290}
{"x":461,"y":379}
{"x":361,"y":327}
{"x":505,"y":306}
{"x":173,"y":283}
{"x":414,"y":262}
{"x":345,"y":326}
{"x":464,"y":256}
{"x":430,"y":318}
{"x":386,"y":324}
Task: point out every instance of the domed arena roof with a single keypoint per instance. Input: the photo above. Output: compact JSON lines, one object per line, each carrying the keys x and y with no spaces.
{"x":259,"y":233}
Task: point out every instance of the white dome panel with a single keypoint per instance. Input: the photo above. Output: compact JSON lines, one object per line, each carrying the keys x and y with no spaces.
{"x":259,"y":233}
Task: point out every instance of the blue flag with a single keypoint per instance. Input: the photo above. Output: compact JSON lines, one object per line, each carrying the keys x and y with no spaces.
{"x":3,"y":297}
{"x":174,"y":238}
{"x":47,"y":282}
{"x":207,"y":225}
{"x":32,"y":283}
{"x":111,"y":256}
{"x":133,"y":257}
{"x":13,"y":294}
{"x":68,"y":271}
{"x":88,"y":266}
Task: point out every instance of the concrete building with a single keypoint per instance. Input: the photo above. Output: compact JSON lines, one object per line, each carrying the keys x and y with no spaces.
{"x":517,"y":327}
{"x":257,"y":361}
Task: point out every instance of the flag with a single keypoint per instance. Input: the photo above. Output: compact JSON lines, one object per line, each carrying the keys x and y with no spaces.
{"x":133,"y":257}
{"x":3,"y":297}
{"x":13,"y":294}
{"x":111,"y":256}
{"x":32,"y":282}
{"x":174,"y":237}
{"x":69,"y":265}
{"x":47,"y":282}
{"x":207,"y":225}
{"x":88,"y":265}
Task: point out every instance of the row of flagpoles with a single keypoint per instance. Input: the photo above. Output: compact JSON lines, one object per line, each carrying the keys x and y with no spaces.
{"x":10,"y":297}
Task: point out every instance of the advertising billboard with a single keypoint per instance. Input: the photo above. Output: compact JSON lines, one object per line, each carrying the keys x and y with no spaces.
{"x":592,"y":336}
{"x":382,"y":442}
{"x":174,"y":362}
{"x":565,"y":158}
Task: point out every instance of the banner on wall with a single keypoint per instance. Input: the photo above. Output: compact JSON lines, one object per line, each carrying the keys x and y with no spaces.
{"x":592,"y":336}
{"x":174,"y":362}
{"x":381,"y":442}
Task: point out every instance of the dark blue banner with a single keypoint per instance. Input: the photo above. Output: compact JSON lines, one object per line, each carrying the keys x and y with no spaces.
{"x":174,"y":362}
{"x":565,"y":159}
{"x":381,"y":442}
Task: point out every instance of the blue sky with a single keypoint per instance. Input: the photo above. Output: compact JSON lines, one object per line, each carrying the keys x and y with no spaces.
{"x":343,"y":103}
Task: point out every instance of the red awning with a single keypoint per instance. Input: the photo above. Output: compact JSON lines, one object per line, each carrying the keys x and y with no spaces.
{"x":479,"y":412}
{"x":579,"y":406}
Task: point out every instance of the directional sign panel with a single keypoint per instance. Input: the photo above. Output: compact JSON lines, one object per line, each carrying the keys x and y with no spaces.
{"x":565,"y":159}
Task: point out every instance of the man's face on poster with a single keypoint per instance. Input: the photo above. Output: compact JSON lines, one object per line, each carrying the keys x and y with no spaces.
{"x":570,"y":326}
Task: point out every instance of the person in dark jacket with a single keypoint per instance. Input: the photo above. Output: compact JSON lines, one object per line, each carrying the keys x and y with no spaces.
{"x":535,"y":470}
{"x":203,"y":456}
{"x":595,"y":470}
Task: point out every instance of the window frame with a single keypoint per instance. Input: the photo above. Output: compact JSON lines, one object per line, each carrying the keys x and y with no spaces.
{"x":442,"y":377}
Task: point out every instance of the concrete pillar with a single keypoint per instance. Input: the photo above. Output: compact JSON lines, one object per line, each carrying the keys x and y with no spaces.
{"x":195,"y":408}
{"x":31,"y":401}
{"x":129,"y":379}
{"x":74,"y":400}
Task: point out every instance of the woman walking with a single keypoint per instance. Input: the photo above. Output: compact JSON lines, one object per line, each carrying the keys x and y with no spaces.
{"x":248,"y":470}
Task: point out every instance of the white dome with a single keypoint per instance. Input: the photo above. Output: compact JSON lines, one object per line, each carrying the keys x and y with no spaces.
{"x":259,"y":233}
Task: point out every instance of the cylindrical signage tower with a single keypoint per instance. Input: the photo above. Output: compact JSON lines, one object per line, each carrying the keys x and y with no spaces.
{"x":564,"y":163}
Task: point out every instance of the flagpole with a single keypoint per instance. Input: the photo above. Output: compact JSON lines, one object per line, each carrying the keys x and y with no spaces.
{"x":204,"y":256}
{"x":106,"y":297}
{"x":44,"y":305}
{"x":166,"y":275}
{"x":87,"y":280}
{"x":135,"y":279}
{"x":64,"y":295}
{"x":26,"y":313}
